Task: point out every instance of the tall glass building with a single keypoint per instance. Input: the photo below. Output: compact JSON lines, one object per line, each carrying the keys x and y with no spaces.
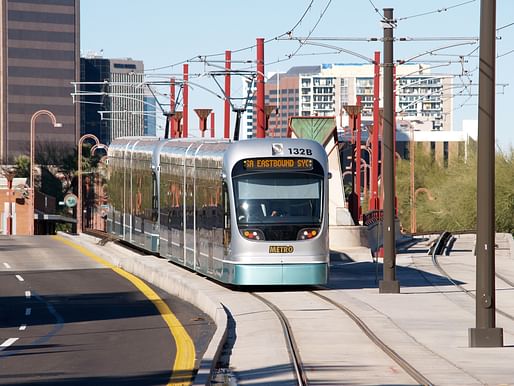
{"x":39,"y":58}
{"x":112,"y":100}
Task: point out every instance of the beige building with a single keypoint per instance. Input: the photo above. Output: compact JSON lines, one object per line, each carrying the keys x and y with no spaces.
{"x":421,"y":97}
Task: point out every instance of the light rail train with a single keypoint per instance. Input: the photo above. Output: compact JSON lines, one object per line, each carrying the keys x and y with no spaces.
{"x":251,"y":212}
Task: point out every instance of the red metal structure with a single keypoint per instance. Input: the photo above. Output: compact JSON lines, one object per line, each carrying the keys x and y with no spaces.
{"x":213,"y":130}
{"x":177,"y":117}
{"x":185,"y":113}
{"x":353,"y":112}
{"x":228,"y":58}
{"x":202,"y":115}
{"x":172,"y":123}
{"x":374,"y":202}
{"x":358,"y":156}
{"x":259,"y":106}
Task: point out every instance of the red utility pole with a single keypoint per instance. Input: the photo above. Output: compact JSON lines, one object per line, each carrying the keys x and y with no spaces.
{"x":213,"y":130}
{"x":374,"y":202}
{"x":259,"y":106}
{"x":172,"y":123}
{"x":185,"y":113}
{"x":358,"y":158}
{"x":228,"y":58}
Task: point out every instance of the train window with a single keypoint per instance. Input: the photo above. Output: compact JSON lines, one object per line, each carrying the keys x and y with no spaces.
{"x":270,"y":198}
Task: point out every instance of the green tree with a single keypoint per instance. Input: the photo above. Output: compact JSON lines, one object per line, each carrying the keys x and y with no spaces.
{"x":505,"y":191}
{"x":454,"y":189}
{"x":22,"y":165}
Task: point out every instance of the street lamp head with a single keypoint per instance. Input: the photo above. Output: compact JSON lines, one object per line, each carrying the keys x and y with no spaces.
{"x":268,"y":109}
{"x":352,"y":110}
{"x":57,"y":124}
{"x":8,"y":172}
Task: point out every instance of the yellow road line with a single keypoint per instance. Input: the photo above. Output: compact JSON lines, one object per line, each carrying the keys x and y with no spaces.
{"x":184,"y":362}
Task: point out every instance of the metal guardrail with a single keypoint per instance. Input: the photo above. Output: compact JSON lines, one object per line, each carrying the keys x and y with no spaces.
{"x":372,"y":217}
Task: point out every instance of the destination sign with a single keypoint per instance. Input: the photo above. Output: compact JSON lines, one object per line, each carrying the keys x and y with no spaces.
{"x":278,"y":163}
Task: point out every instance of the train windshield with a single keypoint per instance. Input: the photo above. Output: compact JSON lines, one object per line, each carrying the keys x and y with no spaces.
{"x":278,"y":198}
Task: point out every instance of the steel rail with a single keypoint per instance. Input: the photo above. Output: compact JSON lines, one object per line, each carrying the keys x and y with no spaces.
{"x":406,"y":366}
{"x":294,"y":352}
{"x":443,"y":272}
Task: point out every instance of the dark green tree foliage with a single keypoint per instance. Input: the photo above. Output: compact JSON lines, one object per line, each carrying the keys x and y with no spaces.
{"x":22,"y":165}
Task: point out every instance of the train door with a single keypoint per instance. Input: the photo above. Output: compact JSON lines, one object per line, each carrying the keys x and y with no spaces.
{"x":176,"y":217}
{"x":189,"y":211}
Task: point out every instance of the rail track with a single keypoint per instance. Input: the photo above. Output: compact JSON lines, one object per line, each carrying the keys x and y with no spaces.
{"x":292,"y":347}
{"x":294,"y":352}
{"x":446,"y":241}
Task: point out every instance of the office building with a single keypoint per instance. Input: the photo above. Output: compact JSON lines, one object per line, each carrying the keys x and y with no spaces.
{"x":111,"y":97}
{"x":150,"y":118}
{"x":39,"y":58}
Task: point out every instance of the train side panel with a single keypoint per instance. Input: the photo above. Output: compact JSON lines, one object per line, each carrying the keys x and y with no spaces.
{"x":132,"y":192}
{"x":178,"y":198}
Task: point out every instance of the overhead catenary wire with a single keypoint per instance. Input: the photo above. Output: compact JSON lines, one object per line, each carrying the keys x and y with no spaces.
{"x":203,"y":58}
{"x":376,"y":9}
{"x":439,"y":10}
{"x":307,"y":9}
{"x":313,"y":28}
{"x":211,"y":59}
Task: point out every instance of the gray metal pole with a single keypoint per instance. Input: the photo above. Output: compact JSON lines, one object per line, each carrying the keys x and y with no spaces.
{"x":485,"y":334}
{"x":389,"y":284}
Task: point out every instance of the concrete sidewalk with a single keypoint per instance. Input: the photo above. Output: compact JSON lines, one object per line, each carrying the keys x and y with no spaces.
{"x":428,"y":322}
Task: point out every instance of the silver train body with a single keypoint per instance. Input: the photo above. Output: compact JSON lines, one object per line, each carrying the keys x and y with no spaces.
{"x":252,"y":212}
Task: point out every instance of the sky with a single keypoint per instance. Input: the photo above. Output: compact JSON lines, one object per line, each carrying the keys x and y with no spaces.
{"x":164,"y":34}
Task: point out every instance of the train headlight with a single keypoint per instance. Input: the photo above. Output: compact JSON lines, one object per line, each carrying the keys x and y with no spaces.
{"x":252,"y":234}
{"x":307,"y":233}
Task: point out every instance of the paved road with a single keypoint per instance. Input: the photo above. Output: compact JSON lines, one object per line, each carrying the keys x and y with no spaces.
{"x":66,"y":319}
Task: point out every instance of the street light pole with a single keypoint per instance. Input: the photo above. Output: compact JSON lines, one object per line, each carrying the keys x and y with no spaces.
{"x":485,"y":333}
{"x":412,"y":197}
{"x":389,"y":284}
{"x":32,"y":143}
{"x":79,"y":174}
{"x":9,"y":174}
{"x":413,"y":215}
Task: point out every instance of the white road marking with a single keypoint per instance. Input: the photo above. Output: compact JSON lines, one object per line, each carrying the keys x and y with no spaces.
{"x":28,"y":294}
{"x":28,"y":311}
{"x":8,"y":343}
{"x":19,"y":278}
{"x":6,"y":265}
{"x":23,"y":327}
